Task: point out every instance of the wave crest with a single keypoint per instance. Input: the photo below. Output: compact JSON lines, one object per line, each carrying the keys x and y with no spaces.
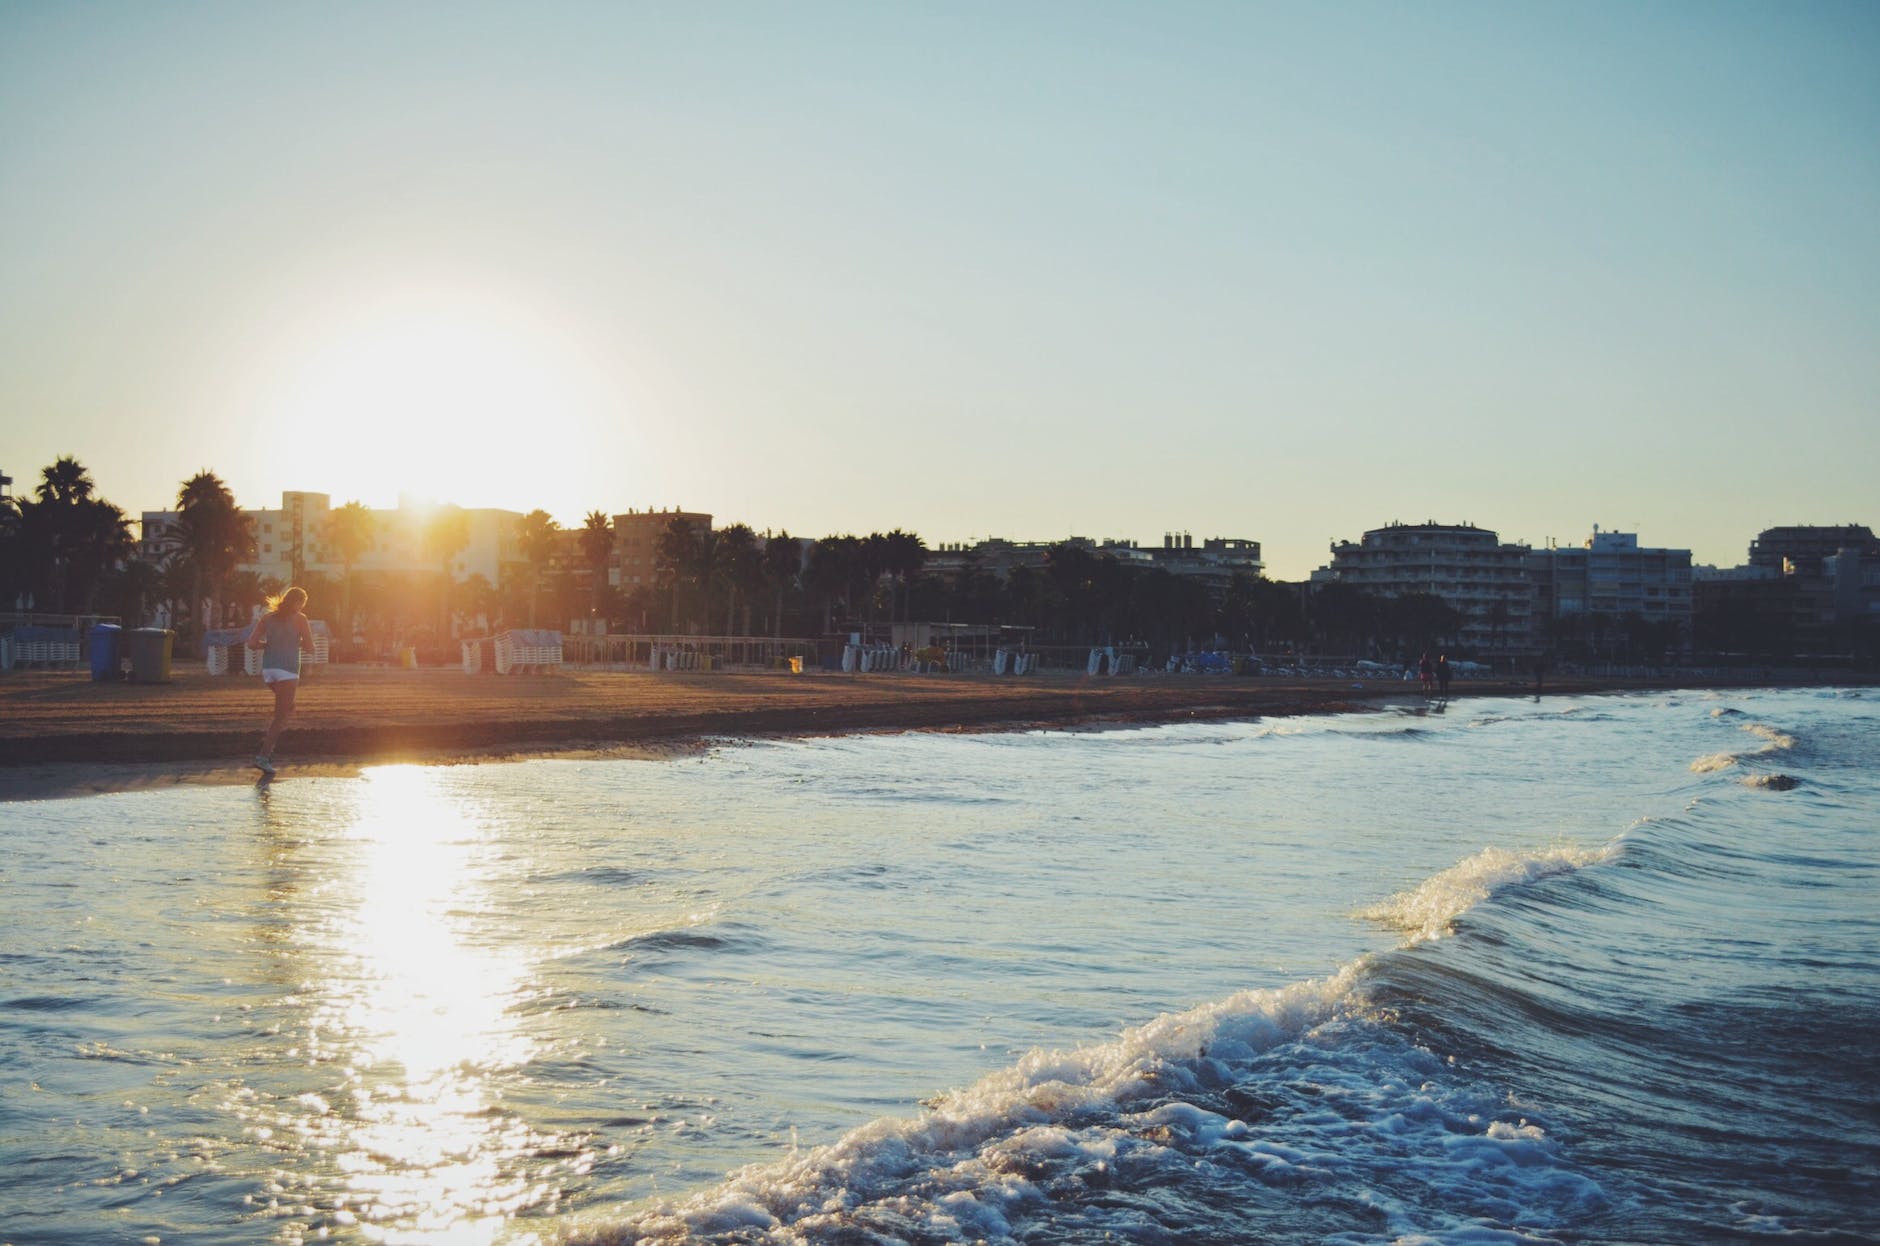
{"x":1777,"y":739}
{"x":1429,"y":910}
{"x":958,"y":1139}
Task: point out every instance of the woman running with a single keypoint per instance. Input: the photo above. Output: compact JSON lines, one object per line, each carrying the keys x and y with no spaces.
{"x":280,"y":634}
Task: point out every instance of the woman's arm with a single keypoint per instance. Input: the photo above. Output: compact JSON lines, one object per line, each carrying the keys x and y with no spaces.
{"x":306,"y":633}
{"x":258,"y":634}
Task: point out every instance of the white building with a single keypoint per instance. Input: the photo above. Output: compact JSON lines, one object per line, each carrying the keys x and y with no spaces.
{"x":1469,"y":568}
{"x":1216,"y":561}
{"x":290,"y":540}
{"x":1611,"y":574}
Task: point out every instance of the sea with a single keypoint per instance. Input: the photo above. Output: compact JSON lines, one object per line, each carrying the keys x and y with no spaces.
{"x":1577,"y":969}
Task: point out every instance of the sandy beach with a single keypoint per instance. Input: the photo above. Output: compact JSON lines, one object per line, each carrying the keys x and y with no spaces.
{"x":61,"y":734}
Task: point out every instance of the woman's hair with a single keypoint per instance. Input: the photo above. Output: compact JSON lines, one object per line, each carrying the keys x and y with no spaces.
{"x":291,"y":598}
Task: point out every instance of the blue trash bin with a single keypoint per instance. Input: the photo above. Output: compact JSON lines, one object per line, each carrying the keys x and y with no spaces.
{"x":104,"y":650}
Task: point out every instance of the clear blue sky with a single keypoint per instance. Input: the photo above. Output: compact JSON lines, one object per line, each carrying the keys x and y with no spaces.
{"x":1284,"y":272}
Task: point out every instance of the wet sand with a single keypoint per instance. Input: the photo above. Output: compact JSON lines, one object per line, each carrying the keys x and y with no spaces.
{"x":61,"y":734}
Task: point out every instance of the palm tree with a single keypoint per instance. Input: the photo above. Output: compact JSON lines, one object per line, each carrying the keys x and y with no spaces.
{"x":67,"y":540}
{"x":535,"y":533}
{"x":737,"y":564}
{"x":597,"y":546}
{"x":130,"y":590}
{"x":212,"y":535}
{"x":481,"y":595}
{"x":831,"y":574}
{"x":874,"y":560}
{"x":1498,"y":616}
{"x":446,"y":533}
{"x":687,"y":556}
{"x":782,"y":563}
{"x":906,"y":553}
{"x":347,"y":533}
{"x":65,"y":482}
{"x":12,"y":552}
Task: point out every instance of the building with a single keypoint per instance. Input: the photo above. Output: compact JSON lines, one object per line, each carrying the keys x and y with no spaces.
{"x":1807,"y":591}
{"x":1468,"y":568}
{"x":1612,"y":575}
{"x":636,"y":543}
{"x":1217,"y":561}
{"x":1799,"y":549}
{"x":290,"y":541}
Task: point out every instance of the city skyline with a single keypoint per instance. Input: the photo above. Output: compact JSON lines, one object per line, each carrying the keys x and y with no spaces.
{"x":418,"y":507}
{"x":1245,"y":270}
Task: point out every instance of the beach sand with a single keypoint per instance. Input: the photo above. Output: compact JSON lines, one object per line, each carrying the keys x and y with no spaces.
{"x":61,"y":734}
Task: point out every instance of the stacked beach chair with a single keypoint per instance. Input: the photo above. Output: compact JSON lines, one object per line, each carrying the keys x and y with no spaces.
{"x":45,"y":646}
{"x":225,"y":650}
{"x":531,"y":649}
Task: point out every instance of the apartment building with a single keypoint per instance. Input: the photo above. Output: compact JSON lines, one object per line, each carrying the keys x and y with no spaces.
{"x":290,"y":540}
{"x":1800,"y":549}
{"x":1806,"y":589}
{"x":636,"y":543}
{"x":1469,"y":568}
{"x":1216,"y":561}
{"x":1613,"y":575}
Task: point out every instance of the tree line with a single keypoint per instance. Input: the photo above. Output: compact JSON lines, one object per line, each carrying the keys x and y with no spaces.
{"x":65,"y":549}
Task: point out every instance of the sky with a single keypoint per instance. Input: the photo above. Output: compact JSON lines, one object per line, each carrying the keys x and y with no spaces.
{"x":1283,"y":272}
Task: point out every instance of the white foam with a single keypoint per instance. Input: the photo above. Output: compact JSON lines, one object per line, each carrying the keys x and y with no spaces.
{"x":1777,"y":739}
{"x":1712,"y":763}
{"x":1429,"y":910}
{"x":955,"y":1144}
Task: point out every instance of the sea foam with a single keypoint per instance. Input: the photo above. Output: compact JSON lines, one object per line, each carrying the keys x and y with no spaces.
{"x":1429,"y":910}
{"x":958,"y":1146}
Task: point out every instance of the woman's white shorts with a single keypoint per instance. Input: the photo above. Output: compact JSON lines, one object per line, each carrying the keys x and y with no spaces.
{"x":274,"y":675}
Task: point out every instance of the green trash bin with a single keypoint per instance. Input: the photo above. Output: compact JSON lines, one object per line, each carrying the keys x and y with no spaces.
{"x":150,"y":654}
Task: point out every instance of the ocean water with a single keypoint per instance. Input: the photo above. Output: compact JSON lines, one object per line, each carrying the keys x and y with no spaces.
{"x":1602,"y":969}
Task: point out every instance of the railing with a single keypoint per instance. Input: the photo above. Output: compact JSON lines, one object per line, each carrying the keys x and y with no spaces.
{"x":689,"y":652}
{"x":80,"y":623}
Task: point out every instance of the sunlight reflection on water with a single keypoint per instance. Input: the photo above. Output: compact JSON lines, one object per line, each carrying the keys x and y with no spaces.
{"x":411,"y":999}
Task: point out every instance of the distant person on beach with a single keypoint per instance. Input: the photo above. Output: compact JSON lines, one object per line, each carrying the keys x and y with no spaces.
{"x":280,"y":634}
{"x":1442,"y":676}
{"x":1426,"y":671}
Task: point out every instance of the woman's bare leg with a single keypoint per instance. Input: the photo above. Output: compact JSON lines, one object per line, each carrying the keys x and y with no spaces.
{"x":283,"y":709}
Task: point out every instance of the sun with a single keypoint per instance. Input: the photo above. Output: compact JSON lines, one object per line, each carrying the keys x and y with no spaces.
{"x":448,"y":394}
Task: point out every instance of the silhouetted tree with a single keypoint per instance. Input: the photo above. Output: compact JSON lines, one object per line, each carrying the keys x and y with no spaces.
{"x":446,"y":533}
{"x":347,"y":533}
{"x":597,"y":547}
{"x":737,"y":565}
{"x":783,"y":563}
{"x":210,"y":535}
{"x":535,"y":534}
{"x":66,"y":541}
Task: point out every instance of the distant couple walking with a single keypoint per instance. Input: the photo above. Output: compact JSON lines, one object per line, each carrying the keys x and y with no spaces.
{"x":280,"y":634}
{"x":1435,"y":674}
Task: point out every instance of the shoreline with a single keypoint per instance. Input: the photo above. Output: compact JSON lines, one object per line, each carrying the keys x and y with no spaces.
{"x":63,"y":736}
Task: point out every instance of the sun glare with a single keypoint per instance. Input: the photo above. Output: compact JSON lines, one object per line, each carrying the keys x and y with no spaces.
{"x":419,"y":1013}
{"x":438,"y":394}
